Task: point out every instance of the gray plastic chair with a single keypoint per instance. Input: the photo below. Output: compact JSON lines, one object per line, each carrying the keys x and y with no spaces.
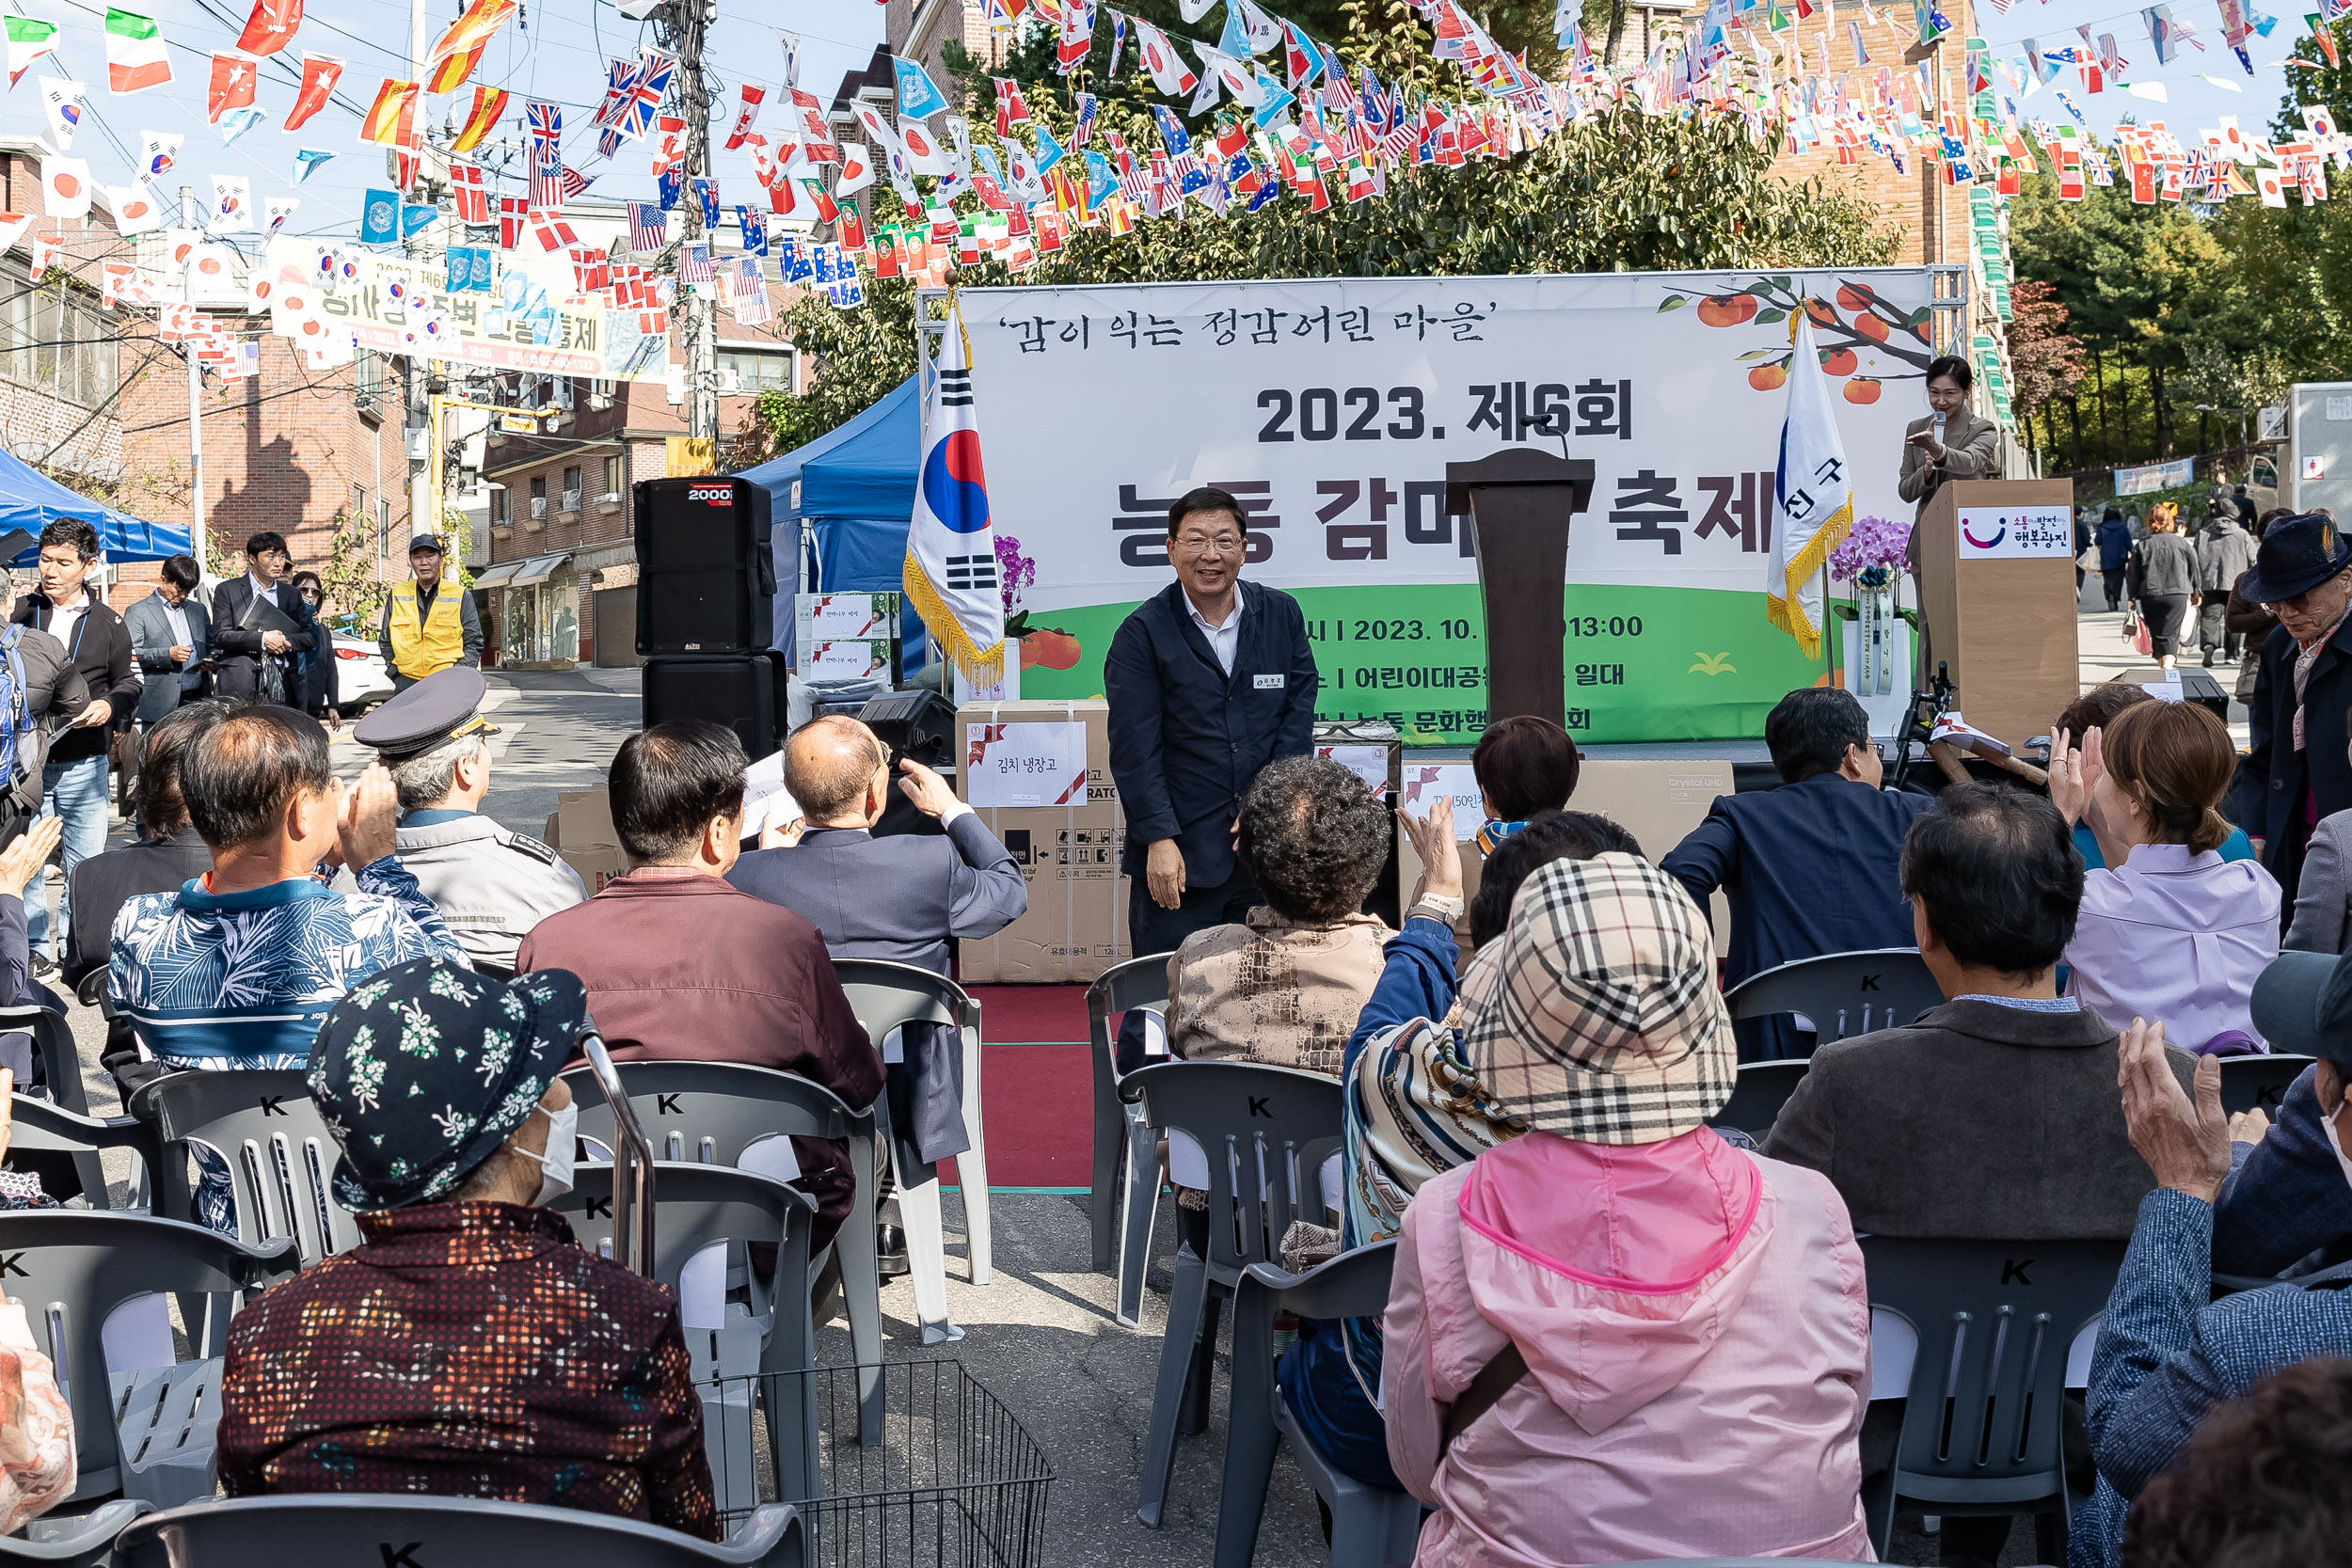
{"x":885,"y":995}
{"x":44,"y":1127}
{"x":371,"y":1529}
{"x":80,"y":1541}
{"x":1843,"y":993}
{"x":2259,"y":1082}
{"x":711,"y":1113}
{"x":695,"y":1205}
{"x":1981,"y":1422}
{"x":1369,"y":1529}
{"x":279,"y":1153}
{"x":1758,"y":1095}
{"x":1249,"y":1119}
{"x":1126,"y":1194}
{"x":145,"y":1434}
{"x":61,"y":1069}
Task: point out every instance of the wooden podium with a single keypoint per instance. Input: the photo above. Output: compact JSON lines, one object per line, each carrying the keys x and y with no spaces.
{"x":2004,"y":625}
{"x":1522,"y":502}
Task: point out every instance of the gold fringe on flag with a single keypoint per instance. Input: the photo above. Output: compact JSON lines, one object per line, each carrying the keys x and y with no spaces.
{"x":981,"y":666}
{"x":1787,"y":613}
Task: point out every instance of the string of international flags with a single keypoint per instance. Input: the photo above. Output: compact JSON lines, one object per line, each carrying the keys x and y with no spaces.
{"x":1285,"y":115}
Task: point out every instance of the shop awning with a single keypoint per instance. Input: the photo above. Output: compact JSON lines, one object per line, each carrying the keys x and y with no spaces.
{"x":498,"y":576}
{"x":539,"y":568}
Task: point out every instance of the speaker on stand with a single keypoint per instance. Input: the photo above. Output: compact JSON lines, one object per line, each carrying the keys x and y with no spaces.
{"x":705,"y":607}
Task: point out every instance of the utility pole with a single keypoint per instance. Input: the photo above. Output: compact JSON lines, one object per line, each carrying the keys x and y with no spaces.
{"x":196,"y":398}
{"x":698,"y":313}
{"x":424,"y":474}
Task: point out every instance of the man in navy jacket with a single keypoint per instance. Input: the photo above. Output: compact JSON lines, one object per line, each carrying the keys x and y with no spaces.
{"x":1208,"y":681}
{"x":1810,"y":868}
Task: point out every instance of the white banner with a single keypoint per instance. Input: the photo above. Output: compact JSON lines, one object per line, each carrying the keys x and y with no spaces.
{"x":2016,"y":532}
{"x":1331,"y":408}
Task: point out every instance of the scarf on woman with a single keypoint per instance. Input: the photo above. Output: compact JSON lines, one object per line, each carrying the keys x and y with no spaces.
{"x":2304,"y":659}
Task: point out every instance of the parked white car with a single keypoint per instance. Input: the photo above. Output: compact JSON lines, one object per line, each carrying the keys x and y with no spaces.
{"x":361,"y":679}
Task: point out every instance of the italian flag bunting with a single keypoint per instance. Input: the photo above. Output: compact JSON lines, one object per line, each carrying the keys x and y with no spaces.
{"x":135,"y":60}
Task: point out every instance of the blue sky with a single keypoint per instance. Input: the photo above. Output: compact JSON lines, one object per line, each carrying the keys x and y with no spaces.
{"x":555,"y":51}
{"x":2193,"y":102}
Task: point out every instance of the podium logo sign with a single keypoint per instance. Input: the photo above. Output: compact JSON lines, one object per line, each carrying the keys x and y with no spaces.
{"x":2016,"y":533}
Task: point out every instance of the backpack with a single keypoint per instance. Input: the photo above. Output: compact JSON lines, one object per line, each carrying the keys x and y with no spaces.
{"x":23,"y":746}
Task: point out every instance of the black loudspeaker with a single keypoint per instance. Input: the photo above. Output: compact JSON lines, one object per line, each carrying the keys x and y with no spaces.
{"x":743,"y":691}
{"x":705,"y":574}
{"x":917,"y":725}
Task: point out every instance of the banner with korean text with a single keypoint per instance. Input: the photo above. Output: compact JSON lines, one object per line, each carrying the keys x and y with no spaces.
{"x":1331,"y":407}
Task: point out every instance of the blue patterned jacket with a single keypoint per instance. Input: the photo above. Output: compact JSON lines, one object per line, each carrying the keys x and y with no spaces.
{"x":215,"y":981}
{"x":2167,"y":1355}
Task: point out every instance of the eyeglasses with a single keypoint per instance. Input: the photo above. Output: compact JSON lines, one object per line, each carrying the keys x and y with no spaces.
{"x":1201,"y":543}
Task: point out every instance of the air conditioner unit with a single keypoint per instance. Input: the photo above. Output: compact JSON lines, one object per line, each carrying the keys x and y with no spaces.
{"x":599,"y":400}
{"x":729,"y":380}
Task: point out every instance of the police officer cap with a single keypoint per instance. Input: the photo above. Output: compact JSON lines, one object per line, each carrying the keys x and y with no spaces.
{"x":438,"y":707}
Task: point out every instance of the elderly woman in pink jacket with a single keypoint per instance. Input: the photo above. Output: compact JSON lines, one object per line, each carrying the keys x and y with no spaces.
{"x":1619,"y":1337}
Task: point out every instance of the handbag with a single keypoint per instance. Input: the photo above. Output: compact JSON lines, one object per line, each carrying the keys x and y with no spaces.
{"x":2140,"y":641}
{"x":2249,"y":669}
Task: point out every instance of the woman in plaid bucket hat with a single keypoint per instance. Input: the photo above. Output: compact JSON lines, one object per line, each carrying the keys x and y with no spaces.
{"x":1618,"y":1337}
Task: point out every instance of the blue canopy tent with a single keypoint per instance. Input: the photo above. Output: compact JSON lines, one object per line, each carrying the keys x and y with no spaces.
{"x":851,"y":493}
{"x":31,"y":500}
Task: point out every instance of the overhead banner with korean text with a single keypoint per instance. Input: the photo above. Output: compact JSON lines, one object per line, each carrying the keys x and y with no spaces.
{"x":1330,"y":408}
{"x":393,"y":305}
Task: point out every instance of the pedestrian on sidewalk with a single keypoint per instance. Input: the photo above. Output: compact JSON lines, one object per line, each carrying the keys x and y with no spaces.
{"x":2115,"y":549}
{"x":2161,"y":572}
{"x":2225,"y":552}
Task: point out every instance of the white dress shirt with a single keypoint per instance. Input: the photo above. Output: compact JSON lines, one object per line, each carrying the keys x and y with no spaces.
{"x":64,"y":618}
{"x":176,"y":616}
{"x":1225,"y":640}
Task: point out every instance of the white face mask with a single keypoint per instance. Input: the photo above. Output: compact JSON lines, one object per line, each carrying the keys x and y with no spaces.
{"x":555,"y":1165}
{"x":2335,"y":1141}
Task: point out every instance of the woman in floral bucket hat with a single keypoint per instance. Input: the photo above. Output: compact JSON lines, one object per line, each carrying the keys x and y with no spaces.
{"x":1618,"y":1337}
{"x":470,"y":1347}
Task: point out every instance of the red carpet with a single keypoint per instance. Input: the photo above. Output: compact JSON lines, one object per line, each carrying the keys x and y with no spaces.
{"x":1026,"y":1014}
{"x":1039,"y":1101}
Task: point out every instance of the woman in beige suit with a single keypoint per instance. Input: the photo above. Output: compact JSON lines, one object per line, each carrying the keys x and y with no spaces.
{"x":1949,"y":443}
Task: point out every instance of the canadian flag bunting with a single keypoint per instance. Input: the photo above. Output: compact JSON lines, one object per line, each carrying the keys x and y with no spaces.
{"x":752,"y":97}
{"x":45,"y":248}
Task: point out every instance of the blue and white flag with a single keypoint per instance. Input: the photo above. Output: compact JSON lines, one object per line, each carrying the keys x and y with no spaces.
{"x":918,"y":96}
{"x":951,"y":544}
{"x":307,"y":160}
{"x":379,"y":218}
{"x":1812,"y":497}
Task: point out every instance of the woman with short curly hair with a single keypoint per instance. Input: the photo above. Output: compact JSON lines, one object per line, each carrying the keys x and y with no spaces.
{"x":1284,"y":988}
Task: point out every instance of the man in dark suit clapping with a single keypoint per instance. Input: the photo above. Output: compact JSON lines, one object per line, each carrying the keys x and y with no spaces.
{"x":244,"y":650}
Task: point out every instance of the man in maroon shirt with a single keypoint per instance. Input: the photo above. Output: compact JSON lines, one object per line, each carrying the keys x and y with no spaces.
{"x":680,"y":966}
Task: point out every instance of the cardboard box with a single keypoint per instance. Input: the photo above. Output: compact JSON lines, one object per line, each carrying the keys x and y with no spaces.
{"x":1067,"y":844}
{"x":579,"y":830}
{"x":849,"y":659}
{"x":1658,"y":803}
{"x":823,"y":616}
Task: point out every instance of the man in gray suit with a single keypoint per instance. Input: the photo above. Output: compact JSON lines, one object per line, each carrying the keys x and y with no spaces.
{"x":171,"y":638}
{"x":900,"y":898}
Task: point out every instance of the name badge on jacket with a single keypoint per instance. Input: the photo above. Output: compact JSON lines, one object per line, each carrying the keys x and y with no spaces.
{"x":1268,"y":683}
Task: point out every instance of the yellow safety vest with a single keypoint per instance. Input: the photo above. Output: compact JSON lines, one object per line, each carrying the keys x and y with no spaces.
{"x":430,"y":647}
